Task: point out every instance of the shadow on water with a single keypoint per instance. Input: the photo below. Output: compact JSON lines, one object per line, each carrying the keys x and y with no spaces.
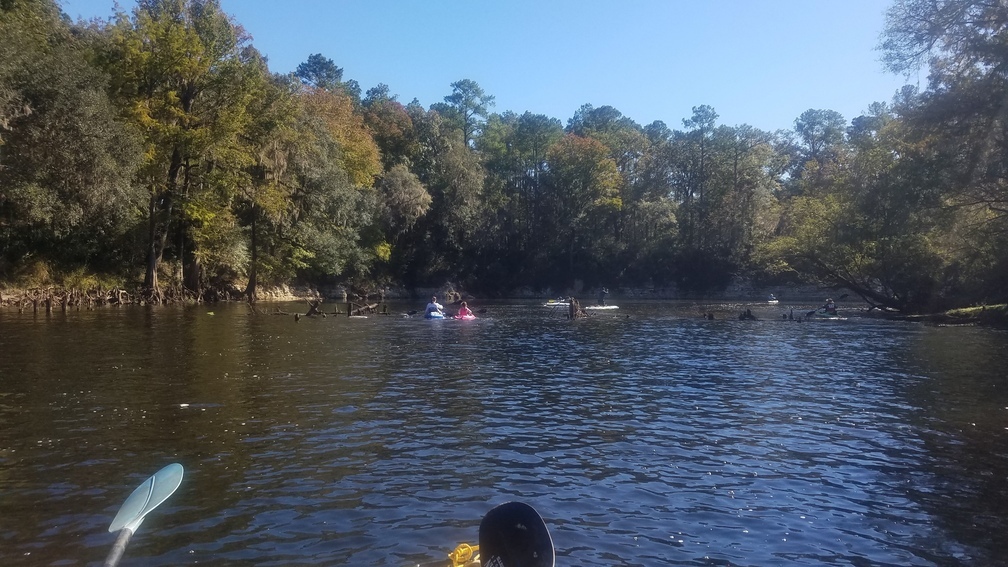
{"x":645,"y":436}
{"x":962,"y":407}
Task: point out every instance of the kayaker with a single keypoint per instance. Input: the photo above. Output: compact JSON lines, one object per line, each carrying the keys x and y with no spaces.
{"x":601,"y":295}
{"x":830,"y":307}
{"x":433,"y":307}
{"x":464,"y":310}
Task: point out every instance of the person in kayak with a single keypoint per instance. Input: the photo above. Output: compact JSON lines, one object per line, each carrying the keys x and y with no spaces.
{"x":464,"y":311}
{"x":433,"y":307}
{"x":830,"y":307}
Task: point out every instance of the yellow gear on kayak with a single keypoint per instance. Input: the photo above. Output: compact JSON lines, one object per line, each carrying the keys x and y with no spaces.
{"x":465,"y":555}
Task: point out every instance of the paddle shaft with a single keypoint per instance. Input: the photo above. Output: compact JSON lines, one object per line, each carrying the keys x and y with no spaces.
{"x":119,"y":548}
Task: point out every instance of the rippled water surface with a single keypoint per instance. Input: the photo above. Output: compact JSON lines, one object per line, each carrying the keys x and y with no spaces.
{"x":644,"y":436}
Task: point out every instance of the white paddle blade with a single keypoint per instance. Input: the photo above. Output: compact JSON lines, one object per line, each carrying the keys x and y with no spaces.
{"x":146,"y":497}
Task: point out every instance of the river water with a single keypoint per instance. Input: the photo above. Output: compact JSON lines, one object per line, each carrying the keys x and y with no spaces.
{"x":644,"y":436}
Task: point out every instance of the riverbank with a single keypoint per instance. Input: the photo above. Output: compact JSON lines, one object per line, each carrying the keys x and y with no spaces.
{"x":58,"y":296}
{"x":54,"y":298}
{"x":984,"y":315}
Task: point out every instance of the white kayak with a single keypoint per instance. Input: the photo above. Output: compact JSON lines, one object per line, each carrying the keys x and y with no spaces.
{"x":552,"y":303}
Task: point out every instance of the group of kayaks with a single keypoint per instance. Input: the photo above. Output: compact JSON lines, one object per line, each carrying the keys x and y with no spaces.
{"x":442,"y":315}
{"x":435,"y":310}
{"x":431,"y":314}
{"x":825,"y":312}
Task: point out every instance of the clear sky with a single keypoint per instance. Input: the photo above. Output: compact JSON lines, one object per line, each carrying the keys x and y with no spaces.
{"x":757,"y":62}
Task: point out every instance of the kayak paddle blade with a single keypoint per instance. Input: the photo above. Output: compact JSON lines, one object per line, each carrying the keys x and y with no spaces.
{"x":514,"y":535}
{"x":146,"y":497}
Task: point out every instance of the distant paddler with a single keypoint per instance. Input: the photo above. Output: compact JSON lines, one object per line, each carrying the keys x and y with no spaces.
{"x":434,"y":309}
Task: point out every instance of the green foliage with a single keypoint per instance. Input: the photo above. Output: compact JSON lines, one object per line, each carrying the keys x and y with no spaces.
{"x":320,"y":72}
{"x":30,"y":29}
{"x":466,"y":106}
{"x":458,"y":182}
{"x":67,"y":161}
{"x":954,"y":150}
{"x":405,"y":200}
{"x":383,"y":251}
{"x":996,"y":315}
{"x":583,"y":201}
{"x":163,"y":134}
{"x":322,"y":232}
{"x":391,"y":127}
{"x":822,"y":137}
{"x":82,"y":279}
{"x":179,"y":73}
{"x":358,"y":154}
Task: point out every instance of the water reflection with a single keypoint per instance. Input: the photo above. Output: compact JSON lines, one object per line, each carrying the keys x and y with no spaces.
{"x":646,"y":437}
{"x":964,"y":409}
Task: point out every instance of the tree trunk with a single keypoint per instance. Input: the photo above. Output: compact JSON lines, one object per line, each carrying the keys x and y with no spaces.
{"x":250,"y":290}
{"x":192,"y":275}
{"x":158,"y":227}
{"x":150,"y":278}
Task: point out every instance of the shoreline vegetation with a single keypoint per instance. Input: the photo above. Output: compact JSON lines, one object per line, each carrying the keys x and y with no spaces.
{"x":336,"y":301}
{"x":156,"y":153}
{"x":983,"y":315}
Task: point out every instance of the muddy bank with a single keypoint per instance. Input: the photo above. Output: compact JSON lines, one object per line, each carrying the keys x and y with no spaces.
{"x":987,"y":316}
{"x":14,"y":296}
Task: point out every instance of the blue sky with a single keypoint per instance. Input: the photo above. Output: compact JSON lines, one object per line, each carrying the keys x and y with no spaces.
{"x":757,"y":62}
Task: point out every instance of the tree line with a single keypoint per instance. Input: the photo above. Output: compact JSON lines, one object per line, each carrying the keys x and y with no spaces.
{"x":158,"y":148}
